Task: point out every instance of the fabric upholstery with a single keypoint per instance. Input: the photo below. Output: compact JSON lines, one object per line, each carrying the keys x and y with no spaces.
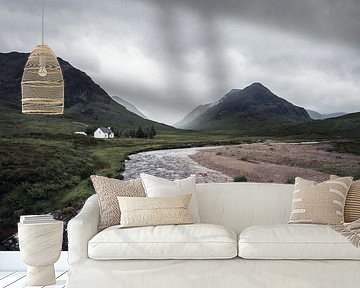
{"x":321,"y":203}
{"x":144,"y":211}
{"x":301,"y":241}
{"x":352,"y":203}
{"x":159,"y":187}
{"x":228,"y":273}
{"x":107,"y":190}
{"x":193,"y":241}
{"x":233,"y":205}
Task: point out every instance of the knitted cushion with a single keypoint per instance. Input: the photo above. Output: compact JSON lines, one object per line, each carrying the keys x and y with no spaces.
{"x":107,"y":190}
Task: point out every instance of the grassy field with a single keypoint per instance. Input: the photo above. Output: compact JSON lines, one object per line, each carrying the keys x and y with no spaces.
{"x":44,"y":171}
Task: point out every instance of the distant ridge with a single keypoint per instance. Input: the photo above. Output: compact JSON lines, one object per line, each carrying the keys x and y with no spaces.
{"x":318,"y":116}
{"x":128,"y":106}
{"x":197,"y":112}
{"x":244,"y":108}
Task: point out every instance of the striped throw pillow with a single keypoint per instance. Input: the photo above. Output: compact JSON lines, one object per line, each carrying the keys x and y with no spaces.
{"x":352,"y":203}
{"x":320,"y":203}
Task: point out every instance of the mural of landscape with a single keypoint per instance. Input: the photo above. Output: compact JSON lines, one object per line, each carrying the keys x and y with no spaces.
{"x":245,"y":91}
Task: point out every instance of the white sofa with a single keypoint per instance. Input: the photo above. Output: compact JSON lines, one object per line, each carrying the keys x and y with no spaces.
{"x":249,"y":245}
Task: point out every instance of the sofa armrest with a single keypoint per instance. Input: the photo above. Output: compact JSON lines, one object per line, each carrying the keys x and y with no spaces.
{"x":82,"y":228}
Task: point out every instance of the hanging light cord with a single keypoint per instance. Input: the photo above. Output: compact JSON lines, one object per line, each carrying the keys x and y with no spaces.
{"x":42,"y":22}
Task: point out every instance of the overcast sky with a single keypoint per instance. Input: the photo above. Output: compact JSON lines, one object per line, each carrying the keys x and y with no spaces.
{"x":168,"y":56}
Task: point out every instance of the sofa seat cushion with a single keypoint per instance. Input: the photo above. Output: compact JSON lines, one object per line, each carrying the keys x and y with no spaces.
{"x":192,"y":241}
{"x":295,"y":241}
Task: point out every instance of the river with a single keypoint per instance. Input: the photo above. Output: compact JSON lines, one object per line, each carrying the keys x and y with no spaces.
{"x":171,"y":164}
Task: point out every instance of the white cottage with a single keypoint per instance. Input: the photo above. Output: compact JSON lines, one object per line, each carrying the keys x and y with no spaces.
{"x":103,"y":133}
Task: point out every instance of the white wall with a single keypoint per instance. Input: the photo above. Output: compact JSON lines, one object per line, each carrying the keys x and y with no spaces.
{"x":99,"y":134}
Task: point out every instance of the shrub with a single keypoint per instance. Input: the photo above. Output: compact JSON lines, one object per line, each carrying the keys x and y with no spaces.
{"x":290,"y":181}
{"x":240,"y":178}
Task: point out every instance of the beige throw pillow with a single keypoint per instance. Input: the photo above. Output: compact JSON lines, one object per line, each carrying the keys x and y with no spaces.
{"x":159,"y":187}
{"x":138,"y":211}
{"x":107,"y":190}
{"x":352,"y":203}
{"x":320,"y":203}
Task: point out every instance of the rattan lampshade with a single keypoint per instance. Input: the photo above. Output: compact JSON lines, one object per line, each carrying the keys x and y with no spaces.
{"x":42,"y":83}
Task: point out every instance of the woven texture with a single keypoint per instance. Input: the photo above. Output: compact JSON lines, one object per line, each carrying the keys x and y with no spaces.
{"x":319,"y":203}
{"x":138,"y":211}
{"x":352,"y":203}
{"x":107,"y":190}
{"x":42,"y":84}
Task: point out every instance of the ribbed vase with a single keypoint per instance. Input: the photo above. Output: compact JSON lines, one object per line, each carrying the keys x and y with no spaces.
{"x":40,"y":247}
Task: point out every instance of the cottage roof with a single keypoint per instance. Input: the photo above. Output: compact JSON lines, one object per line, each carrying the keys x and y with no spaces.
{"x":106,"y":130}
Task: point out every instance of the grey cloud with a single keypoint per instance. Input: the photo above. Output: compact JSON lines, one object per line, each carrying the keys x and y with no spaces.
{"x":167,"y":56}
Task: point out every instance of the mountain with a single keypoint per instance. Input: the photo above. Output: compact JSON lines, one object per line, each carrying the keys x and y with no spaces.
{"x":318,"y":116}
{"x":128,"y":106}
{"x":85,"y":101}
{"x":242,"y":109}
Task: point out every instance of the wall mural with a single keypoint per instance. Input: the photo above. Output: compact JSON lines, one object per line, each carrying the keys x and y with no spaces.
{"x":251,"y":91}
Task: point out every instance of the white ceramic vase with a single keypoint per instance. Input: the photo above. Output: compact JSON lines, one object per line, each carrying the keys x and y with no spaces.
{"x":40,"y":247}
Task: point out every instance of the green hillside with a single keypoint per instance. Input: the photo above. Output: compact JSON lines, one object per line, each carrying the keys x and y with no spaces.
{"x":347,"y":126}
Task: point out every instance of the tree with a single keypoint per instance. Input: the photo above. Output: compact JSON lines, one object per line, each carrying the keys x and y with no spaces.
{"x":140,"y":133}
{"x":90,"y":130}
{"x":149,"y":133}
{"x":153,"y":131}
{"x":117,"y":133}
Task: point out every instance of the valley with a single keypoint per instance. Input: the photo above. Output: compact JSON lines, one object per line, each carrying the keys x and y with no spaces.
{"x":45,"y":167}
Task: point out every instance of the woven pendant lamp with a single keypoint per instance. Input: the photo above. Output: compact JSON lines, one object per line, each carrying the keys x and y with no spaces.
{"x":42,"y":84}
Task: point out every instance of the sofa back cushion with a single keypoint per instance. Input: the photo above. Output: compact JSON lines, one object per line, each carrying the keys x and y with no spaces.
{"x":160,"y":187}
{"x":107,"y":189}
{"x":239,"y":205}
{"x":144,"y":211}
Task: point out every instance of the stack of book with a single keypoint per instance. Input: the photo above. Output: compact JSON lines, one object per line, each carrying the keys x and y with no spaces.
{"x":36,"y":219}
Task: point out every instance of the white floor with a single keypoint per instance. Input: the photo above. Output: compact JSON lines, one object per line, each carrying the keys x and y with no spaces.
{"x":13,"y":271}
{"x":16,"y":279}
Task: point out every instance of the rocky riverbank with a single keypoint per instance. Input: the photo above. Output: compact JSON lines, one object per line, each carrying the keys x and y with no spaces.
{"x":172,"y":164}
{"x":278,"y":162}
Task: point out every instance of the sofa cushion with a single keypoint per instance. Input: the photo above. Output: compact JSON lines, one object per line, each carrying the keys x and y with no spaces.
{"x":107,"y":190}
{"x":192,"y":241}
{"x":160,"y":187}
{"x":300,"y":241}
{"x":145,"y":211}
{"x":319,"y":203}
{"x":352,"y":202}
